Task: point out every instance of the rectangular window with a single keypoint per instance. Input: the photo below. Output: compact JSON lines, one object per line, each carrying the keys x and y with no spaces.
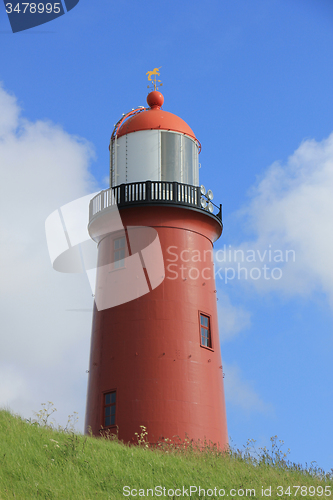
{"x":109,"y":409}
{"x":206,"y":339}
{"x":119,"y":246}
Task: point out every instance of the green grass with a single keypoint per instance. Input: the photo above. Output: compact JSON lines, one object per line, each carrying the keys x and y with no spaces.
{"x":37,"y":462}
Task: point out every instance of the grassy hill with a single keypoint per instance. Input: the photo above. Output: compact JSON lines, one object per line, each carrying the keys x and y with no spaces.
{"x":37,"y":462}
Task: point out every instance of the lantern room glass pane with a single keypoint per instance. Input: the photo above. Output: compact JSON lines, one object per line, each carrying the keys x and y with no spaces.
{"x":178,"y":158}
{"x":170,"y":157}
{"x":187,"y":164}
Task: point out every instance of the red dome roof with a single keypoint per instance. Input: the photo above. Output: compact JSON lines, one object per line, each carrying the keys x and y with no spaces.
{"x":154,"y":119}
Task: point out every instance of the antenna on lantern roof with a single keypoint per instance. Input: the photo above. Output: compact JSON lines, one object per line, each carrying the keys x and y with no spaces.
{"x":154,"y":83}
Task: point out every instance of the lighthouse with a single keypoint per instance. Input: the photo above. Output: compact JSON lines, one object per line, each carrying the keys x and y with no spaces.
{"x":155,"y":357}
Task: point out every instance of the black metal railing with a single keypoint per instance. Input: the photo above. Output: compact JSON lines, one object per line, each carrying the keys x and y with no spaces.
{"x":150,"y":192}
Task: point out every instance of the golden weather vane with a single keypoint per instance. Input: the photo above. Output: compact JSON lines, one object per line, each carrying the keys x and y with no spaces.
{"x":154,"y":83}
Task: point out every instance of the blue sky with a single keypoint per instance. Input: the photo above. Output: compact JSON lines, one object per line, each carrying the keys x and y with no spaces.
{"x":254,"y":81}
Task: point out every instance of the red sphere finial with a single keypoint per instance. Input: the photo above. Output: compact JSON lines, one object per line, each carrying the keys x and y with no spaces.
{"x":155,"y":99}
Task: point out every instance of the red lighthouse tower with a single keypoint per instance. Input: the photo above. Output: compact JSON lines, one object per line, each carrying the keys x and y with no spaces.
{"x":155,"y":355}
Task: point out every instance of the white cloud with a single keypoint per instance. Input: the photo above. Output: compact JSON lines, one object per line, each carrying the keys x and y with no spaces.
{"x":10,"y":111}
{"x":232,"y":319}
{"x":291,"y":208}
{"x":241,"y":393}
{"x":44,"y":347}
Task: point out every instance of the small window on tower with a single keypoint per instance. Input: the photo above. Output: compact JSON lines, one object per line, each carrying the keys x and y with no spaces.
{"x":119,"y":252}
{"x":109,"y":414}
{"x":205,"y":333}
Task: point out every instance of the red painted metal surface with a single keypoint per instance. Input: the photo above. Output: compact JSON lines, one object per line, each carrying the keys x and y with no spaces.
{"x":152,"y":119}
{"x":155,"y":118}
{"x":149,"y":351}
{"x":155,"y":99}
